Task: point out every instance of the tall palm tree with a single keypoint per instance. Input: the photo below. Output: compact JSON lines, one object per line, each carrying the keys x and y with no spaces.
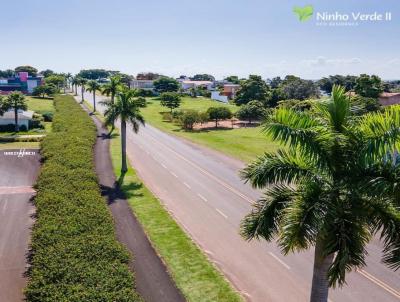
{"x":112,"y":88}
{"x":126,"y":108}
{"x":93,"y":86}
{"x":334,"y":186}
{"x":82,"y":83}
{"x":69,"y":78}
{"x":74,"y":83}
{"x":14,"y":101}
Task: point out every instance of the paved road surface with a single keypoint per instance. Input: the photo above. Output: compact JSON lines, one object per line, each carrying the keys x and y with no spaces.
{"x":17,"y":174}
{"x":203,"y":191}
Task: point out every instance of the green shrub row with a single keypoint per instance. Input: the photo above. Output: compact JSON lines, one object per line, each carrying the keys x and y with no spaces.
{"x":15,"y":138}
{"x":75,"y":254}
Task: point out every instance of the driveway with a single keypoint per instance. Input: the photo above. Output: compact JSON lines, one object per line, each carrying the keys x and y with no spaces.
{"x":18,"y":171}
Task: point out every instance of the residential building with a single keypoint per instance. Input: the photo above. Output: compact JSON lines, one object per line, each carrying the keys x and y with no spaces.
{"x":215,"y":95}
{"x":188,"y":84}
{"x":24,"y":117}
{"x":230,"y":90}
{"x":20,"y":82}
{"x":142,"y":84}
{"x":389,"y":98}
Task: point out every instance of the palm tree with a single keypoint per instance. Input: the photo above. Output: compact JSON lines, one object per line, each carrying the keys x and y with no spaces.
{"x":82,"y":82}
{"x":75,"y":82}
{"x":112,"y":88}
{"x":69,"y":78}
{"x":334,"y":186}
{"x":93,"y":86}
{"x":126,"y":108}
{"x":14,"y":101}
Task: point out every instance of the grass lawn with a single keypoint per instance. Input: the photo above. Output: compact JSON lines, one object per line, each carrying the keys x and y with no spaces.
{"x":19,"y":145}
{"x":244,"y":144}
{"x":192,"y":272}
{"x":40,"y":105}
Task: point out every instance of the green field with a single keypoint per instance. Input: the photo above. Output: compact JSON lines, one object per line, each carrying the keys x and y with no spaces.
{"x":194,"y":275}
{"x":40,"y":105}
{"x":244,"y":144}
{"x":19,"y":145}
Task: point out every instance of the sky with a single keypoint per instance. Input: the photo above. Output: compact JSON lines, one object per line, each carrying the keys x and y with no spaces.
{"x":185,"y":37}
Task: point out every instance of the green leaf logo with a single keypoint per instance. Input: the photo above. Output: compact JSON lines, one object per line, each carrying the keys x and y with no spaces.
{"x":304,"y":13}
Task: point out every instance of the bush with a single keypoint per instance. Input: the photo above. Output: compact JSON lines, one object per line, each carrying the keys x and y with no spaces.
{"x":75,"y":255}
{"x":145,"y":93}
{"x":48,"y":116}
{"x":189,"y":118}
{"x":7,"y":128}
{"x":167,"y":116}
{"x":219,"y":113}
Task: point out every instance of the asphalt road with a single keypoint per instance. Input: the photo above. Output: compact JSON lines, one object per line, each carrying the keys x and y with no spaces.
{"x":17,"y":174}
{"x":202,"y":189}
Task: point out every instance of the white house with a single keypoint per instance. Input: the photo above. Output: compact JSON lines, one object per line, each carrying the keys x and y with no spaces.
{"x":187,"y":84}
{"x":215,"y":95}
{"x":142,"y":84}
{"x":8,"y":118}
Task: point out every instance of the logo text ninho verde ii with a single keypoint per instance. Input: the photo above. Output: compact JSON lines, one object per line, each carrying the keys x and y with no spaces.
{"x":353,"y":17}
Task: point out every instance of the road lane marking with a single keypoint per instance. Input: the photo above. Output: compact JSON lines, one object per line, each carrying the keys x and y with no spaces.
{"x":202,"y":197}
{"x":380,"y":283}
{"x":222,"y":214}
{"x":186,"y":185}
{"x":221,"y":182}
{"x":279,"y":260}
{"x":173,"y":174}
{"x":164,"y":166}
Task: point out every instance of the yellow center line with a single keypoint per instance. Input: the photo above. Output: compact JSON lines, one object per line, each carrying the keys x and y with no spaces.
{"x":380,"y":283}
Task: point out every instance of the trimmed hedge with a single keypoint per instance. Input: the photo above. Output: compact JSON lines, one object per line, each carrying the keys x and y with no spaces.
{"x":75,"y":254}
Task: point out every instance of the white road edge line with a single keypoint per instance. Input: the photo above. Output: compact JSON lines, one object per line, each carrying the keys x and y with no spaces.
{"x":279,"y":260}
{"x":164,"y":166}
{"x":187,"y":185}
{"x":173,"y":174}
{"x":222,"y":214}
{"x":202,"y":197}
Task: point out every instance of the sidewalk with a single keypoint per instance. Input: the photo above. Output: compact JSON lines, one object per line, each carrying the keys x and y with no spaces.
{"x":154,"y":283}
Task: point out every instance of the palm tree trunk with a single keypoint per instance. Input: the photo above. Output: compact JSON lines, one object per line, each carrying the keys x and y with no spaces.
{"x":124,"y":166}
{"x":76,"y":89}
{"x":82,"y":92}
{"x":16,"y":119}
{"x":94,"y":101}
{"x":320,"y":282}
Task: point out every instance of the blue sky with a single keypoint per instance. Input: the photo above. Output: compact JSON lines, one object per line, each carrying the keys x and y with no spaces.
{"x":220,"y":37}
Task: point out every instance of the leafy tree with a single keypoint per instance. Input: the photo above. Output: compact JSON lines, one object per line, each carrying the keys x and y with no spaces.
{"x":170,"y":100}
{"x":43,"y":90}
{"x":112,"y":88}
{"x":368,"y":86}
{"x":219,"y":113}
{"x":334,"y":186}
{"x":275,"y":82}
{"x":189,"y":118}
{"x":348,"y":82}
{"x":126,"y":108}
{"x":56,"y":79}
{"x":203,"y":77}
{"x":32,"y":71}
{"x":166,"y":84}
{"x":47,"y":72}
{"x":253,"y":89}
{"x":151,"y":76}
{"x":233,"y":79}
{"x":8,"y":73}
{"x":253,"y":110}
{"x":93,"y":86}
{"x":94,"y":74}
{"x":296,"y":88}
{"x":14,"y":101}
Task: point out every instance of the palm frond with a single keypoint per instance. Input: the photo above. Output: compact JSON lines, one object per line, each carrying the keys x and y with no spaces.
{"x":303,"y":218}
{"x":263,"y":221}
{"x":280,"y":167}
